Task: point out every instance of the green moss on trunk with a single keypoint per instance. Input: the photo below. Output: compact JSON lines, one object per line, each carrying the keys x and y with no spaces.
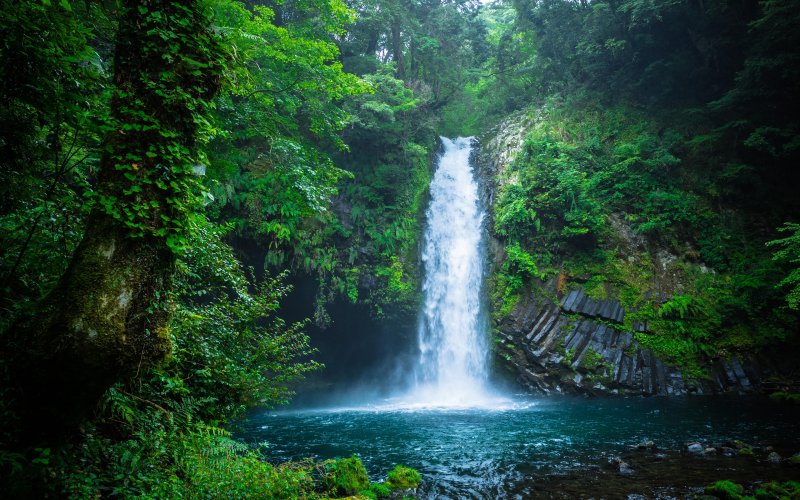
{"x":108,"y":316}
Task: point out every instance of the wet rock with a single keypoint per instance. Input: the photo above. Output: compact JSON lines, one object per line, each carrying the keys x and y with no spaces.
{"x":774,"y":458}
{"x":741,"y":444}
{"x":695,"y":448}
{"x":646,"y":445}
{"x":625,"y":469}
{"x":710,"y":451}
{"x":572,"y":346}
{"x":622,"y":466}
{"x":728,"y":452}
{"x":404,"y":493}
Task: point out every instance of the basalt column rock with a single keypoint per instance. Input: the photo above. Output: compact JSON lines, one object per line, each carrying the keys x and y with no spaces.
{"x":580,"y":345}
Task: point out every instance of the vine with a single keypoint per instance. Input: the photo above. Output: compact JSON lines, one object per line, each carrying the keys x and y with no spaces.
{"x":169,"y":67}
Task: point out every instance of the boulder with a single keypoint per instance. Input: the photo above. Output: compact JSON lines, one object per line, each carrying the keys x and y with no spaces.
{"x":646,"y":445}
{"x":625,"y":469}
{"x":622,"y":466}
{"x":695,"y":448}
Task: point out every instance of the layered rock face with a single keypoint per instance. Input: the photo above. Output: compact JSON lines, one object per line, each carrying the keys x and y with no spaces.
{"x":579,"y":346}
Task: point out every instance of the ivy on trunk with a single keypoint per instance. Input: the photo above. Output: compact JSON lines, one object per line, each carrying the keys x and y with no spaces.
{"x":107,"y":318}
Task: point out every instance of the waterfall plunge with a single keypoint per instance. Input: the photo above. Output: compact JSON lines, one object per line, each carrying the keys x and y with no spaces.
{"x":452,"y":368}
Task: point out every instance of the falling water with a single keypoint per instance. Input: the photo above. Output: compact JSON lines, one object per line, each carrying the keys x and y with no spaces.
{"x":452,"y":367}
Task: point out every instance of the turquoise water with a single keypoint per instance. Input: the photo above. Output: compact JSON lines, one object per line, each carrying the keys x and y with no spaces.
{"x":480,"y":453}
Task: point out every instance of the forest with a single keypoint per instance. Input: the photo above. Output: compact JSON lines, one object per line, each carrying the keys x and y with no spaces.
{"x":170,"y":170}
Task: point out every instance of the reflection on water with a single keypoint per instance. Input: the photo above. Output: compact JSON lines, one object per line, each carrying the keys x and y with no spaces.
{"x":491,"y":452}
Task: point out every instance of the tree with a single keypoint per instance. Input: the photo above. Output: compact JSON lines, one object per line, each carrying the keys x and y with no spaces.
{"x":789,"y":254}
{"x":108,"y":315}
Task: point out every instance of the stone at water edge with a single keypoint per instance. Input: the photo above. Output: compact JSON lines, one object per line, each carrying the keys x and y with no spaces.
{"x":774,"y":458}
{"x":405,"y":493}
{"x":695,"y":448}
{"x":622,"y":467}
{"x":710,"y":451}
{"x":646,"y":445}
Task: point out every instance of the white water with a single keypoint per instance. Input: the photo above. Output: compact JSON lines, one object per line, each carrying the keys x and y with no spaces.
{"x":452,"y":369}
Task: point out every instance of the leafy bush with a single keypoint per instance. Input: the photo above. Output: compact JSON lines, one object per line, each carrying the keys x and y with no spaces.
{"x":789,"y":254}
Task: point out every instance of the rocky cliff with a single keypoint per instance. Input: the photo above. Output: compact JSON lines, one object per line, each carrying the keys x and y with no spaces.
{"x":580,"y":345}
{"x":559,"y":339}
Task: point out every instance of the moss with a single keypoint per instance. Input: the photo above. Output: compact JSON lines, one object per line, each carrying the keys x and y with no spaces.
{"x":745,"y":452}
{"x":792,"y":397}
{"x":726,"y":490}
{"x":775,"y":491}
{"x":505,"y":295}
{"x":567,"y":359}
{"x":591,"y":360}
{"x":377,"y":490}
{"x":345,"y":476}
{"x":402,"y":477}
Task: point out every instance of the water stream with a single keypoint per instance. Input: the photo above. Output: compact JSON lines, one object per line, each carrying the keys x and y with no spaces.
{"x":452,"y":367}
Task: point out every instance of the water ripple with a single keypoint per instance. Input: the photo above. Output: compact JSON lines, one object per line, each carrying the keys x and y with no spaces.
{"x":479,"y":453}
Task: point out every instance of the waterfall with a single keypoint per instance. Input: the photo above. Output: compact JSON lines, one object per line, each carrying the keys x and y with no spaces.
{"x":452,"y":366}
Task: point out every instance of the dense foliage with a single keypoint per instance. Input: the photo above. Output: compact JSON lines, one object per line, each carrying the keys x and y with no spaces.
{"x":656,"y":167}
{"x":264,"y":170}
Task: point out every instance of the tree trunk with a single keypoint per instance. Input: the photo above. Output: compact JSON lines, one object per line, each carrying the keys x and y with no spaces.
{"x":397,"y":48}
{"x":108,"y":316}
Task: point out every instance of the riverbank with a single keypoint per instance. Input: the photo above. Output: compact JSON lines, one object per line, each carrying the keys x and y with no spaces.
{"x":650,"y":472}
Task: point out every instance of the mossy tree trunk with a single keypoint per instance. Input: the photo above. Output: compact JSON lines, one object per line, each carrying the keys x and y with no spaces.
{"x":108,"y":316}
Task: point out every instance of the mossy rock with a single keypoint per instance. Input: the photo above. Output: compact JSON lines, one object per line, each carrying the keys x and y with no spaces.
{"x":773,"y":490}
{"x":726,"y":490}
{"x":402,"y":477}
{"x":791,"y":397}
{"x":745,"y":452}
{"x":376,"y":491}
{"x":345,"y":476}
